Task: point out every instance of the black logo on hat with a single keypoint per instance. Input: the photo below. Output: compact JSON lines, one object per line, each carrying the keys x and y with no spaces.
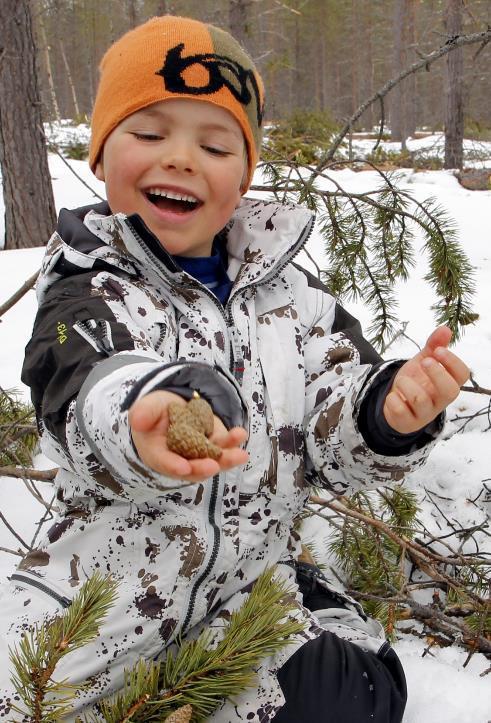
{"x":175,"y":65}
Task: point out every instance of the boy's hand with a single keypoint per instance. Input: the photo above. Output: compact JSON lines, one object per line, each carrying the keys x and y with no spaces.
{"x":425,"y":385}
{"x":149,"y":422}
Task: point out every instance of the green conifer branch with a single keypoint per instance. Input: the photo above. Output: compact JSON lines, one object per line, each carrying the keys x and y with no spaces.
{"x":18,"y":434}
{"x":372,"y":561}
{"x":370,"y":243}
{"x":35,"y":659}
{"x":202,"y":673}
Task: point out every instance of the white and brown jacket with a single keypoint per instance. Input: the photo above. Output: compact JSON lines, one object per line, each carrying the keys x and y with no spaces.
{"x":118,"y":319}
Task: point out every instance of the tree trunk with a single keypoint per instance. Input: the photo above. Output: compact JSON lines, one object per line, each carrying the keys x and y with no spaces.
{"x":132,"y":15}
{"x":402,"y":106}
{"x":398,"y":130}
{"x":163,"y":8}
{"x":49,"y":71}
{"x":454,"y":106}
{"x":76,"y":106}
{"x":30,"y":214}
{"x":238,"y":20}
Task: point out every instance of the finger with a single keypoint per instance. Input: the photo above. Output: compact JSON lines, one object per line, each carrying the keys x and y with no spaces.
{"x":453,"y":364}
{"x":151,"y":410}
{"x":233,"y":438}
{"x":397,"y":414}
{"x":442,"y":336}
{"x":145,"y":413}
{"x":445,"y":387}
{"x":233,"y":458}
{"x":417,"y":399}
{"x":165,"y":462}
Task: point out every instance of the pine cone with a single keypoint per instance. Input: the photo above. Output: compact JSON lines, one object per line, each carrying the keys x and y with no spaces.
{"x":190,"y":426}
{"x":181,"y":715}
{"x":203,"y":415}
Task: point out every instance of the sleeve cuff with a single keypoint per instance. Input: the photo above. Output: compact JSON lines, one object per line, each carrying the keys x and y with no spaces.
{"x":211,"y":383}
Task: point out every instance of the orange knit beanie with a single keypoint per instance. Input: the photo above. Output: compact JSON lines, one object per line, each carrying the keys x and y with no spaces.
{"x":173,"y":57}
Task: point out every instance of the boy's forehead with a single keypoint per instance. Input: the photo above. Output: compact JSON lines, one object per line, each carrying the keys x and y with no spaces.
{"x":206,"y":116}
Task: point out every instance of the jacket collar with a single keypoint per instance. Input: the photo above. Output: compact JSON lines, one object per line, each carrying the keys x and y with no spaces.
{"x":262,"y":237}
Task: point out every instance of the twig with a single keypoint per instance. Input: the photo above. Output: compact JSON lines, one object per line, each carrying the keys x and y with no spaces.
{"x":456,"y":560}
{"x":42,"y":475}
{"x":12,"y":552}
{"x":48,"y":511}
{"x":435,"y":618}
{"x":19,"y":293}
{"x":14,"y":533}
{"x":476,"y":388}
{"x":55,"y":150}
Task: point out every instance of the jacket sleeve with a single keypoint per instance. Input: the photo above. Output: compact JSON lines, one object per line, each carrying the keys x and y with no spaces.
{"x":341,"y":370}
{"x":88,"y":359}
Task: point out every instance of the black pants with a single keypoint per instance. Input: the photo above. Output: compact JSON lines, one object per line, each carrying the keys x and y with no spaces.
{"x":329,"y":680}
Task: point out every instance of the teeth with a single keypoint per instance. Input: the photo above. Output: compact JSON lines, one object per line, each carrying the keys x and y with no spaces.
{"x":172,"y":194}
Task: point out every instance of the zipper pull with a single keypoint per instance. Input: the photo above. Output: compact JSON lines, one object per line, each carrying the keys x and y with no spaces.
{"x":239,"y":370}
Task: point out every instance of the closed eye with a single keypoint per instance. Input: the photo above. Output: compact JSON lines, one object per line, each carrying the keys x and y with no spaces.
{"x":216,"y":151}
{"x":147,"y":137}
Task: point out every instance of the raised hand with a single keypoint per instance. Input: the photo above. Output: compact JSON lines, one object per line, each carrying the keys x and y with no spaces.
{"x":425,"y":385}
{"x":149,"y":421}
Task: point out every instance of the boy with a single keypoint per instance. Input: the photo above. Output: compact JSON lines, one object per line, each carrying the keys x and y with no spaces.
{"x":177,"y":285}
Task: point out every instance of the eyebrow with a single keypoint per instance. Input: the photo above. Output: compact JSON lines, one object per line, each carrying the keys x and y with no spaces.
{"x":162,"y":115}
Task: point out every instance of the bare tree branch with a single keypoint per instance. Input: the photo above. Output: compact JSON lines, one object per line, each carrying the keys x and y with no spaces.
{"x":55,"y":150}
{"x":436,"y":619}
{"x":19,"y":293}
{"x":14,"y":533}
{"x":12,"y":552}
{"x":43,"y":475}
{"x":424,"y":62}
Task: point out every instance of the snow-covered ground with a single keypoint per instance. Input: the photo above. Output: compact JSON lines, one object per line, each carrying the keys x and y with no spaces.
{"x":430,"y":145}
{"x":441,"y":690}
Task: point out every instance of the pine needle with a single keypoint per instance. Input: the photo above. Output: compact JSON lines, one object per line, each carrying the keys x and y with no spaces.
{"x":201,"y":674}
{"x":35,"y":659}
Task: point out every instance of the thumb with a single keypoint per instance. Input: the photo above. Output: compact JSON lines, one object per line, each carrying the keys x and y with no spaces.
{"x":442,"y":336}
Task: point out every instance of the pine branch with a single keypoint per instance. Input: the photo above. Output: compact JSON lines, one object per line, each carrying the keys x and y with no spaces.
{"x":375,"y":541}
{"x":35,"y":659}
{"x":369,"y":244}
{"x":202,"y":673}
{"x":18,"y":434}
{"x":342,"y":509}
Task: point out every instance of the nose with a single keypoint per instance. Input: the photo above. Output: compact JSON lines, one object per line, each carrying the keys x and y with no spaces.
{"x":178,"y":155}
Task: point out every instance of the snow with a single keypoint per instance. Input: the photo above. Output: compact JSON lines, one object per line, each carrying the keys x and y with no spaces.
{"x":441,"y":689}
{"x":432,"y":145}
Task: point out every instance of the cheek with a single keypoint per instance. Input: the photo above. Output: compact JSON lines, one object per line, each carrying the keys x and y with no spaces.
{"x":121,"y":179}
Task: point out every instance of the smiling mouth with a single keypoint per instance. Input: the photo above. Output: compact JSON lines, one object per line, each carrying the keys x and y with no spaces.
{"x":172,"y":201}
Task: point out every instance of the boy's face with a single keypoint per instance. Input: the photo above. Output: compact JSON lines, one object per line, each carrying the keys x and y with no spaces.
{"x":179,"y":164}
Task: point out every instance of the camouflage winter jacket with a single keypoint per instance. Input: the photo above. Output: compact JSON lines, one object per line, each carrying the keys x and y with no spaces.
{"x":118,"y":319}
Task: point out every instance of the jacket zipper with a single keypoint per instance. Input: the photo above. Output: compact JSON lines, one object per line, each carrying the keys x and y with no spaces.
{"x":236,"y":366}
{"x":172,"y":283}
{"x":236,"y":363}
{"x":65,"y":602}
{"x":213,"y":556}
{"x":101,"y":341}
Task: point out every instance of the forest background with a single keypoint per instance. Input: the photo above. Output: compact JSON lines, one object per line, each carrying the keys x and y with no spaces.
{"x":314,"y":55}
